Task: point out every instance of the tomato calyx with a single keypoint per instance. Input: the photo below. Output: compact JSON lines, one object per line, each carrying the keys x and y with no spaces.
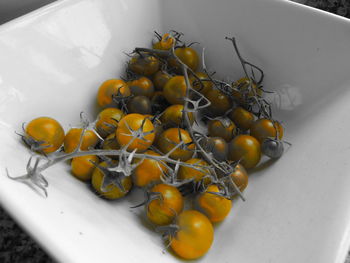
{"x":33,"y":144}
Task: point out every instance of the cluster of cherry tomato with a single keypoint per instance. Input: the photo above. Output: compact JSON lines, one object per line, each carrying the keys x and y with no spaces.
{"x":146,"y":118}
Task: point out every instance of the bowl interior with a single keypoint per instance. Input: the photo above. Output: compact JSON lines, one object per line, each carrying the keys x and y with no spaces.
{"x":297,"y":208}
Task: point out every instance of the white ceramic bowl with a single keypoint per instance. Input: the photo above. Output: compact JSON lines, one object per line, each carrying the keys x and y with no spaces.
{"x":297,"y":209}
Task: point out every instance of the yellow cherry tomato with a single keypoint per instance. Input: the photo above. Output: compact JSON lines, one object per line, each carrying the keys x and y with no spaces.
{"x":71,"y":140}
{"x":173,"y":115}
{"x":109,"y":88}
{"x":165,"y":43}
{"x":215,"y":207}
{"x":194,"y":237}
{"x":206,"y":84}
{"x":107,"y":121}
{"x":186,"y":173}
{"x":132,"y":123}
{"x":160,"y":79}
{"x":47,"y":130}
{"x":240,"y":177}
{"x":241,"y":90}
{"x":175,"y":90}
{"x":141,"y":86}
{"x":82,"y":166}
{"x":220,"y":103}
{"x":188,"y":56}
{"x":223,"y":128}
{"x":242,"y":118}
{"x":148,"y":170}
{"x":145,"y":65}
{"x":172,"y":137}
{"x":245,"y":148}
{"x":163,"y":210}
{"x":264,"y":128}
{"x":112,"y":191}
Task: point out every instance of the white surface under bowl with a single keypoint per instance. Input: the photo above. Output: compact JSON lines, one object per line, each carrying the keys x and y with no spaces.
{"x":297,"y":209}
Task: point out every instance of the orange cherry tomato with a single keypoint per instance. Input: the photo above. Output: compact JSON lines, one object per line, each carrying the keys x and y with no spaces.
{"x":240,"y":177}
{"x":197,"y":174}
{"x":109,"y":88}
{"x":175,"y":90}
{"x":148,"y":170}
{"x":264,"y":128}
{"x":107,"y":121}
{"x":220,"y":103}
{"x":112,"y":191}
{"x":163,"y":210}
{"x":48,"y":131}
{"x":194,"y":237}
{"x":165,"y":43}
{"x":132,"y":123}
{"x":242,"y":118}
{"x":160,"y":79}
{"x":141,"y":86}
{"x":71,"y":140}
{"x":145,"y":65}
{"x":207,"y":85}
{"x":245,"y":148}
{"x":172,"y":137}
{"x":188,"y":56}
{"x":173,"y":115}
{"x":82,"y":166}
{"x":223,"y":128}
{"x":215,"y":207}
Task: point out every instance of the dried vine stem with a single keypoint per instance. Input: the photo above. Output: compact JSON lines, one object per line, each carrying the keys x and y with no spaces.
{"x":196,"y":107}
{"x":34,"y":178}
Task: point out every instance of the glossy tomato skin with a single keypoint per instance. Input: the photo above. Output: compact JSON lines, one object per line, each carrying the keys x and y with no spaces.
{"x":160,"y":79}
{"x":246,"y":149}
{"x":186,"y":173}
{"x":134,"y":121}
{"x":47,"y":130}
{"x":215,"y":207}
{"x":140,"y":104}
{"x":172,"y":137}
{"x":71,"y":140}
{"x":141,"y":86}
{"x":148,"y":171}
{"x":83,"y":166}
{"x":220,"y":103}
{"x":242,"y":118}
{"x":223,"y":128}
{"x":112,"y":191}
{"x":265,"y":128}
{"x":195,"y":235}
{"x":173,"y":116}
{"x":110,"y":88}
{"x":146,"y":65}
{"x":207,"y":85}
{"x":240,"y":177}
{"x":188,"y":56}
{"x":164,"y":209}
{"x":175,"y":90}
{"x":107,"y":121}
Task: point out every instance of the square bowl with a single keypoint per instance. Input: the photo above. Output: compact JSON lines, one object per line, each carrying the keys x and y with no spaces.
{"x":297,"y":209}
